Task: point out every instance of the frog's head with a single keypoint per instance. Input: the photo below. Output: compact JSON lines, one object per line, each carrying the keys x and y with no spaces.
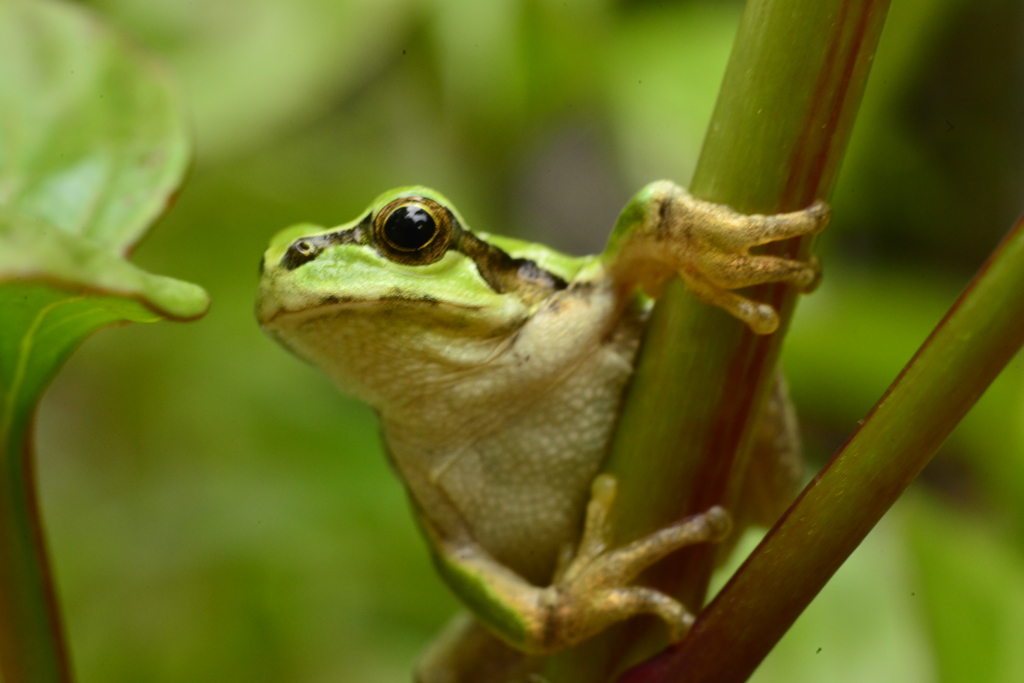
{"x":407,"y":268}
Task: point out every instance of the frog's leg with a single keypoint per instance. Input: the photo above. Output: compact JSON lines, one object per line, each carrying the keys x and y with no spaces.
{"x":466,"y":652}
{"x":589,"y":594}
{"x":772,"y":477}
{"x":664,"y":230}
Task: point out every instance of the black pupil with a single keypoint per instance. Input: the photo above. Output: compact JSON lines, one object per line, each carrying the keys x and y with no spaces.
{"x":410,"y":227}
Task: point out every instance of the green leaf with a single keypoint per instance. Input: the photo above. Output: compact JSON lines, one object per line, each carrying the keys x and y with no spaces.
{"x":42,"y":325}
{"x":93,"y":141}
{"x":93,"y":146}
{"x":30,"y":250}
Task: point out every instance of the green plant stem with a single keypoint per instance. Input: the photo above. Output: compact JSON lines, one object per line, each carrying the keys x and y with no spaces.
{"x":32,"y":645}
{"x":42,"y":325}
{"x":949,"y":373}
{"x":776,"y":138}
{"x":775,"y":142}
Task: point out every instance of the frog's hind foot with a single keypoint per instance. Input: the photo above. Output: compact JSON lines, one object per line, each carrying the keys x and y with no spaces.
{"x":593,"y":586}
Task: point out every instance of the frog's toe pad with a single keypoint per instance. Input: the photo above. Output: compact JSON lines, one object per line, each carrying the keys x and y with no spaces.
{"x":719,"y":521}
{"x":760,"y":317}
{"x":809,"y":282}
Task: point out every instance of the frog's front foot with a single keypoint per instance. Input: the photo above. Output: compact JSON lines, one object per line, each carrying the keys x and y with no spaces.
{"x":709,"y":246}
{"x":591,"y":591}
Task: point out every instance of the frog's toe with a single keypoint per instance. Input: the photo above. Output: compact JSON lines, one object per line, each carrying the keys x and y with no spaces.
{"x":781,"y":226}
{"x":733,"y":271}
{"x":761,"y":318}
{"x":734,"y":231}
{"x":640,"y":600}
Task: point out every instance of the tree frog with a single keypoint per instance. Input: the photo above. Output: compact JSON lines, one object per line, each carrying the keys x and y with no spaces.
{"x":498,"y":369}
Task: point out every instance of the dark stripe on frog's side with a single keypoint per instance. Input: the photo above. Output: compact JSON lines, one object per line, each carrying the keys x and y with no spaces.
{"x":501,"y":272}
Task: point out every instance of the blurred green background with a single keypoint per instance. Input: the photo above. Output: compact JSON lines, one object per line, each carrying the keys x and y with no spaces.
{"x":218,"y":512}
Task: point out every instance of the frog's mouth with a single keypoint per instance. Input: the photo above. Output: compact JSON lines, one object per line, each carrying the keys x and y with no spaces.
{"x":400,"y":310}
{"x":377,"y":305}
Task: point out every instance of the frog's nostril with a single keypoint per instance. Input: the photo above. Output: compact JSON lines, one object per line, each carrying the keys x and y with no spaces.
{"x":301,"y":251}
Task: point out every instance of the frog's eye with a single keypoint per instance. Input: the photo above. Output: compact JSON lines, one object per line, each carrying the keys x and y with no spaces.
{"x":409,"y":228}
{"x":413,"y":230}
